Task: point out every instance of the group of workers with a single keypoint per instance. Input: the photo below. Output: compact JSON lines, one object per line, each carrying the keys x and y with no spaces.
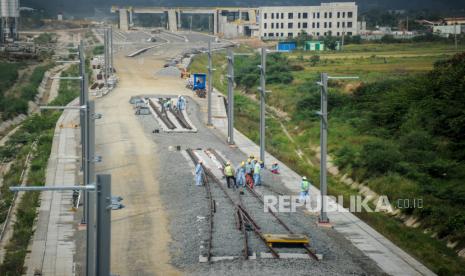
{"x":169,"y":102}
{"x":249,"y":173}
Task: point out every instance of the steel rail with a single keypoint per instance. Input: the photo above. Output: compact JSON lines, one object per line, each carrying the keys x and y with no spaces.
{"x":244,"y":212}
{"x":211,"y":204}
{"x":180,"y":118}
{"x":162,"y":116}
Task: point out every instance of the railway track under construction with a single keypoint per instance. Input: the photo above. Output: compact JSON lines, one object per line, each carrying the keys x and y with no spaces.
{"x":247,"y":216}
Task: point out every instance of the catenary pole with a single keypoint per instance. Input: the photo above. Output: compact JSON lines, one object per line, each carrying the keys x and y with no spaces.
{"x":262,"y":103}
{"x":210,"y":83}
{"x":323,"y":147}
{"x":230,"y":96}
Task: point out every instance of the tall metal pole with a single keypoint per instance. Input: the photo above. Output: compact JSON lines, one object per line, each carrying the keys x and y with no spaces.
{"x":323,"y":146}
{"x":262,"y":104}
{"x":210,"y":83}
{"x":103,"y":224}
{"x":83,"y":123}
{"x":230,"y":96}
{"x":111,"y":50}
{"x":105,"y":56}
{"x":91,"y":204}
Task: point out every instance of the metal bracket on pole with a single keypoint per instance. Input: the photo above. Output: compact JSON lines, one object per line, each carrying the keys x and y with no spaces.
{"x":52,"y":188}
{"x":67,"y":61}
{"x":66,"y":78}
{"x":57,"y":107}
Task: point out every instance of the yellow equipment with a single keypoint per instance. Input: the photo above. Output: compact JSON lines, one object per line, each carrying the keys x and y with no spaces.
{"x":286,"y":239}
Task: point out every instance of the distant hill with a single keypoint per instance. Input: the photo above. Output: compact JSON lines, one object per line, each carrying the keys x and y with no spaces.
{"x":69,"y":5}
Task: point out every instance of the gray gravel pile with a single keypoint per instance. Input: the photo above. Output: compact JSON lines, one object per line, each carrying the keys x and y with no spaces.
{"x":170,"y":71}
{"x":187,"y":208}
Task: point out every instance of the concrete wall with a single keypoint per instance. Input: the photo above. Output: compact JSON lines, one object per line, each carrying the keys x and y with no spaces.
{"x":449,"y":29}
{"x":284,"y":21}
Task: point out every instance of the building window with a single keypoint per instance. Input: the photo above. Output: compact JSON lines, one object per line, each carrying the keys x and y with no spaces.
{"x":298,"y":25}
{"x":313,"y":25}
{"x":317,"y":15}
{"x":349,"y":24}
{"x":317,"y":34}
{"x":314,"y":15}
{"x":349,"y":33}
{"x":282,"y":34}
{"x":270,"y":34}
{"x":299,"y":15}
{"x":282,"y":25}
{"x":324,"y":34}
{"x":338,"y":14}
{"x":264,"y":15}
{"x":305,"y":15}
{"x":282,"y":15}
{"x":350,"y":14}
{"x":277,"y":26}
{"x":338,"y":24}
{"x":290,"y":15}
{"x":277,"y":15}
{"x":264,"y":34}
{"x":277,"y":34}
{"x":304,"y":25}
{"x":326,"y":15}
{"x":290,"y":34}
{"x":330,"y":24}
{"x":343,"y":24}
{"x":272,"y":25}
{"x":326,"y":25}
{"x":330,"y":15}
{"x":338,"y":33}
{"x":343,"y":14}
{"x":290,"y":25}
{"x":272,"y":15}
{"x":264,"y":26}
{"x":318,"y":24}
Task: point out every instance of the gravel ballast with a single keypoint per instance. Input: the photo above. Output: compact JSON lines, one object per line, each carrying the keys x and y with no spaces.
{"x":187,"y":206}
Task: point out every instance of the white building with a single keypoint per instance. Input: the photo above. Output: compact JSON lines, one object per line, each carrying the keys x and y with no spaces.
{"x":446,"y":30}
{"x":328,"y":18}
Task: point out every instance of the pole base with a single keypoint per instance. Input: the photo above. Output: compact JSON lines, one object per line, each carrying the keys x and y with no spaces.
{"x":210,"y":126}
{"x":324,"y":224}
{"x":232,"y":145}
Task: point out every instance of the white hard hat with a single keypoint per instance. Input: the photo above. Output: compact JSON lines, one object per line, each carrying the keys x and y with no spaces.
{"x":304,"y":178}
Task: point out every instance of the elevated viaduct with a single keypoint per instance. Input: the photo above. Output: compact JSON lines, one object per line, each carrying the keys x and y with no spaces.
{"x":226,"y":21}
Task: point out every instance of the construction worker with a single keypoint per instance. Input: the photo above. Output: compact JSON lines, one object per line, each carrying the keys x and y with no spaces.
{"x":275,"y":168}
{"x":167,"y":104}
{"x":240,"y":176}
{"x":199,"y":174}
{"x":181,"y":104}
{"x":256,"y":173}
{"x":249,"y":173}
{"x":229,"y":173}
{"x":304,"y":189}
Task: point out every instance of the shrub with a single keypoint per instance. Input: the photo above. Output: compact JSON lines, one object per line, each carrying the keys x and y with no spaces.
{"x":380,"y":157}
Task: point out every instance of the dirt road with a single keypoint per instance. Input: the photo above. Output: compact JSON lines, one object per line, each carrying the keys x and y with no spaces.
{"x":139,"y":232}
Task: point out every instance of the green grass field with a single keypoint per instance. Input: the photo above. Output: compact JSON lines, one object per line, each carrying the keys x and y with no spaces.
{"x":371,"y":63}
